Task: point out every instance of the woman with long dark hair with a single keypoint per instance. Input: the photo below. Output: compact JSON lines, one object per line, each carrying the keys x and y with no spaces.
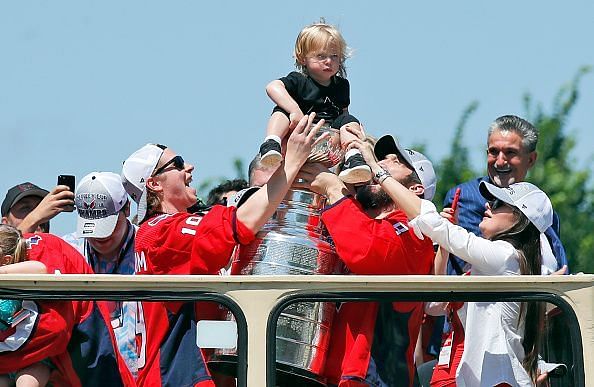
{"x":501,"y":338}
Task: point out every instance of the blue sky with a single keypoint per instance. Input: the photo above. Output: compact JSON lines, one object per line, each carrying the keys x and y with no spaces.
{"x":85,"y":83}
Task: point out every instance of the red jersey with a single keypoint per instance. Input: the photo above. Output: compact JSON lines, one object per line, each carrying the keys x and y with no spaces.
{"x":364,"y":330}
{"x":75,"y":335}
{"x":182,"y":243}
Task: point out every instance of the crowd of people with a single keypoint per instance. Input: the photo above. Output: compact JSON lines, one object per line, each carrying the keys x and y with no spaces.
{"x":379,"y":216}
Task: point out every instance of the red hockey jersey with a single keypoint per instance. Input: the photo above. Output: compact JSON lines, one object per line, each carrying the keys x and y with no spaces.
{"x":74,"y":335}
{"x":182,"y":243}
{"x":364,"y":330}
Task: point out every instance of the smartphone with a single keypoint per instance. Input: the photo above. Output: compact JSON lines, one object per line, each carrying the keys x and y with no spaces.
{"x":456,"y":198}
{"x":455,"y":201}
{"x":68,"y":180}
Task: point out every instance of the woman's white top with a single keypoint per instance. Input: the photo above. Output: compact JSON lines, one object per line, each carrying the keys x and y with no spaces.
{"x":493,"y":351}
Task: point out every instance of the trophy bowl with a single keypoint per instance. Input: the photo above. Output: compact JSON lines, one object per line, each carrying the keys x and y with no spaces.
{"x":327,"y":150}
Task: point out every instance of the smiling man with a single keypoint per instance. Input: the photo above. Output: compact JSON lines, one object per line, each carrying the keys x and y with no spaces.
{"x":511,"y":152}
{"x":105,"y":237}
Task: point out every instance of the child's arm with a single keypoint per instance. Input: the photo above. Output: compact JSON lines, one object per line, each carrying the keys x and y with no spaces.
{"x":27,"y":267}
{"x":279,"y":95}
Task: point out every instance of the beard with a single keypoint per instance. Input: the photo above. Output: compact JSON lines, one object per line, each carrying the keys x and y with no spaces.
{"x":373,"y":198}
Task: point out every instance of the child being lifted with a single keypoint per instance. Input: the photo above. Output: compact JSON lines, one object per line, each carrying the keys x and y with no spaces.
{"x":319,"y":87}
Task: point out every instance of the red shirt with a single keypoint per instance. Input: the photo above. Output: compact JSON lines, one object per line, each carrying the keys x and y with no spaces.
{"x":75,"y":335}
{"x":181,"y":243}
{"x":373,"y":246}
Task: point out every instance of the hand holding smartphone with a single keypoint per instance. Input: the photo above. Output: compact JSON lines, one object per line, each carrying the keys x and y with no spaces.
{"x":455,"y":202}
{"x":70,"y":181}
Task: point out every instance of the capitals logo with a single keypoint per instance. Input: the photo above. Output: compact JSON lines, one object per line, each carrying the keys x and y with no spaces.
{"x":92,"y":206}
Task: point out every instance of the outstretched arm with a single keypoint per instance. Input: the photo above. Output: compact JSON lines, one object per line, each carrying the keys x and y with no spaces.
{"x":256,"y":211}
{"x":407,"y":201}
{"x":27,"y":267}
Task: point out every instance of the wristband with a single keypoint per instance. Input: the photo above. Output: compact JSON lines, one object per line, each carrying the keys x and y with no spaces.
{"x":380,"y":176}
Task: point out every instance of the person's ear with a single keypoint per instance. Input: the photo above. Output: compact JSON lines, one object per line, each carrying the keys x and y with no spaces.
{"x":417,"y":189}
{"x":301,"y":61}
{"x":4,"y":220}
{"x":532,"y":156}
{"x":153,"y":184}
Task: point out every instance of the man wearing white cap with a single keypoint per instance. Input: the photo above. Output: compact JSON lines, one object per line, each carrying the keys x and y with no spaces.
{"x":372,"y":236}
{"x":105,"y":237}
{"x":172,"y":241}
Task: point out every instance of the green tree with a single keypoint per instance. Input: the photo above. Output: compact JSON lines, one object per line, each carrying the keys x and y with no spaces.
{"x":558,"y":174}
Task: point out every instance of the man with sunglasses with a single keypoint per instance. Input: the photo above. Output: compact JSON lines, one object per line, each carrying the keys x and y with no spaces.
{"x":511,"y":152}
{"x":171,"y":240}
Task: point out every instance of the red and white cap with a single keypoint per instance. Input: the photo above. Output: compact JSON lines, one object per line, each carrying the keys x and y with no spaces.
{"x":99,"y":197}
{"x":527,"y":197}
{"x":136,"y":170}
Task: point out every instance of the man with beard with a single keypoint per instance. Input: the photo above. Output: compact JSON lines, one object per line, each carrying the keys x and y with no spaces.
{"x":373,"y":343}
{"x":511,"y":152}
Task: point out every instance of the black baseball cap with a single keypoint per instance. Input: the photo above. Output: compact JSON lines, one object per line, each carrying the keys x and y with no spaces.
{"x":20,"y":191}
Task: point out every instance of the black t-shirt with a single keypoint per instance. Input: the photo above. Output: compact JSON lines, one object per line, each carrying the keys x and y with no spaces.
{"x":328,"y":102}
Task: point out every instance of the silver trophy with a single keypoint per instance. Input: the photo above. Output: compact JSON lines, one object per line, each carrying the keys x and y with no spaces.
{"x":294,"y":241}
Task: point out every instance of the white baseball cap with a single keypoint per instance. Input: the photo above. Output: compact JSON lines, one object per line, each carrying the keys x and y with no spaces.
{"x":99,"y":197}
{"x":136,"y":170}
{"x":527,"y":197}
{"x":388,"y":144}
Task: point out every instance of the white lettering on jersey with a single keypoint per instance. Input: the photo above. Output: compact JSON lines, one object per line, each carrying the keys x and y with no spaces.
{"x":191,"y":221}
{"x":189,"y":231}
{"x":140,"y":336}
{"x":139,"y":261}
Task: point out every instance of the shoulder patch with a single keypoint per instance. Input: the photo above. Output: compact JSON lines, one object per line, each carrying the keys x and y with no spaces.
{"x":33,"y":240}
{"x":400,"y":228}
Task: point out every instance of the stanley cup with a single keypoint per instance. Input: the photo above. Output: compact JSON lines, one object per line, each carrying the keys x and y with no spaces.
{"x":294,"y":241}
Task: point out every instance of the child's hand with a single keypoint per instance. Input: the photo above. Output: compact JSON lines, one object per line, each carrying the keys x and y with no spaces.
{"x":294,"y":119}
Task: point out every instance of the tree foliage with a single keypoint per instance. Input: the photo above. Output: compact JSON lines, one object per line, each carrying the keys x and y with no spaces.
{"x":557,"y":173}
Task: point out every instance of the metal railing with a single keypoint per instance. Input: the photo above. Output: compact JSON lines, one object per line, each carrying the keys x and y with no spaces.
{"x":574,"y":295}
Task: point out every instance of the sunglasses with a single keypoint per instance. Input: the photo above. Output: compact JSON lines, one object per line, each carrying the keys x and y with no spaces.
{"x":178,"y":163}
{"x":496,"y":203}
